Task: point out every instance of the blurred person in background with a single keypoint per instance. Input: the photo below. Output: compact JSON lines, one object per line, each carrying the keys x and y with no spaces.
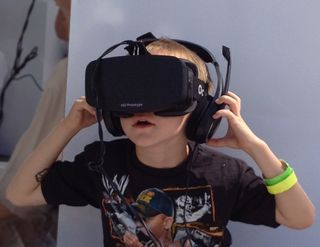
{"x":36,"y":226}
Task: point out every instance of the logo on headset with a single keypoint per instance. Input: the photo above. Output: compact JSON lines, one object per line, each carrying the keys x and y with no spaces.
{"x":200,"y":90}
{"x":125,"y":105}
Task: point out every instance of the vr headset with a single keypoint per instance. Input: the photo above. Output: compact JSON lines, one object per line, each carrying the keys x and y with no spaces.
{"x":165,"y":85}
{"x":139,"y":82}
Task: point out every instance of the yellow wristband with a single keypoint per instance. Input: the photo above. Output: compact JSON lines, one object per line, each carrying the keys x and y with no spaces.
{"x":284,"y":185}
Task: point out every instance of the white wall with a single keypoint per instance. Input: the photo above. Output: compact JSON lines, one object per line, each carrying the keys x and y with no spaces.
{"x":275,"y":48}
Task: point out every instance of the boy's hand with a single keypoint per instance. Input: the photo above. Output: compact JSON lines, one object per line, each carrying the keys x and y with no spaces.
{"x":80,"y":116}
{"x":239,"y":135}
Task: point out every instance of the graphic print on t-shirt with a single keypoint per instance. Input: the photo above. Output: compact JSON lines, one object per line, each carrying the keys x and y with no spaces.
{"x":172,"y":216}
{"x":195,"y":216}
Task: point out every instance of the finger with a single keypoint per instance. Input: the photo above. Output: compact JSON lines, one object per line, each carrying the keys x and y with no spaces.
{"x":232,"y":103}
{"x":81,"y":101}
{"x":236,"y":98}
{"x":83,"y":105}
{"x":90,"y":109}
{"x":233,"y":95}
{"x":224,"y":113}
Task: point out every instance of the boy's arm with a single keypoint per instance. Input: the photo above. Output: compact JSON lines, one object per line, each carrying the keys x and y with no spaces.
{"x":24,"y":189}
{"x":293,"y":207}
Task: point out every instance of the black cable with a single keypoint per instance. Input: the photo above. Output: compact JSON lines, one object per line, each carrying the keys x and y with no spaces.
{"x":18,"y":65}
{"x":107,"y":180}
{"x":190,"y":161}
{"x":98,"y":166}
{"x":219,"y":91}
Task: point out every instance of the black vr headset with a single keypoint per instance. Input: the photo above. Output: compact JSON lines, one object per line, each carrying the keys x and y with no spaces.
{"x":139,"y":82}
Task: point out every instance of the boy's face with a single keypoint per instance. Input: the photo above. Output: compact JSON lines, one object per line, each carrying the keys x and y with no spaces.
{"x":159,"y":224}
{"x":147,"y":129}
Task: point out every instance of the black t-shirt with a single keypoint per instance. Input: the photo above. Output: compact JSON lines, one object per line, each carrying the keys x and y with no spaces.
{"x":207,"y":190}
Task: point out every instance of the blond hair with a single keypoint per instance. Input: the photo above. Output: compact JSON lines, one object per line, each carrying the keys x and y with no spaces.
{"x":168,"y":47}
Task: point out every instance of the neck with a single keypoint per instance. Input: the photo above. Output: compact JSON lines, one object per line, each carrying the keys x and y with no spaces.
{"x":166,"y":239}
{"x":168,"y":155}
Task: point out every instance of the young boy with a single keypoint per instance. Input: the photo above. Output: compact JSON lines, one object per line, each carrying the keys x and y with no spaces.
{"x":208,"y":188}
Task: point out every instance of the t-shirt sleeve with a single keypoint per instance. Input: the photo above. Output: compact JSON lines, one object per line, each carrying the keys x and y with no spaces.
{"x":70,"y":183}
{"x":254,"y":205}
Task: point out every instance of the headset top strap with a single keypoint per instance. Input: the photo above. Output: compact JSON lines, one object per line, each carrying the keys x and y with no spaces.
{"x":202,"y":52}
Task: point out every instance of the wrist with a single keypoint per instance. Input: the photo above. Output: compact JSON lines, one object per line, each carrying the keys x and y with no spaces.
{"x":68,"y":128}
{"x":255,"y":146}
{"x":266,"y":160}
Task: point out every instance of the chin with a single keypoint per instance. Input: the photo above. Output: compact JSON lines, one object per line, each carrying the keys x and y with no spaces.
{"x":147,"y":141}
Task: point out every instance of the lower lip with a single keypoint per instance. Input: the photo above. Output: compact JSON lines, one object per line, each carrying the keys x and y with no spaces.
{"x":143,"y":126}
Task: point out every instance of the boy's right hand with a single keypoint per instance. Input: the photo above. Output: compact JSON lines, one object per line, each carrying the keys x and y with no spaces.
{"x":80,"y":116}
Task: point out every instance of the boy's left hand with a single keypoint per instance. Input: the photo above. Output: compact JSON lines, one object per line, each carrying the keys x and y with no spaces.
{"x":239,"y":135}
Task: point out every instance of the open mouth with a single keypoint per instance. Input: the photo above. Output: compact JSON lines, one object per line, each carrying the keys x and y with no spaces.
{"x":143,"y":124}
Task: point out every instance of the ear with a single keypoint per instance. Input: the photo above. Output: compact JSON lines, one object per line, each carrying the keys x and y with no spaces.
{"x":167,"y":223}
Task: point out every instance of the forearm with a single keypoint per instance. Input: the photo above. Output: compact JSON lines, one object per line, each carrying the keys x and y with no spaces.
{"x":293,"y":207}
{"x":20,"y":190}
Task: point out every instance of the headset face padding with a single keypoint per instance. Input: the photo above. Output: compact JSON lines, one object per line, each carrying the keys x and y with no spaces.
{"x":201,"y":126}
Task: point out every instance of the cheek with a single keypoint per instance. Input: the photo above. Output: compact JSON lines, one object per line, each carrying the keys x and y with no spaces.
{"x":179,"y":123}
{"x":125,"y":122}
{"x":155,"y":225}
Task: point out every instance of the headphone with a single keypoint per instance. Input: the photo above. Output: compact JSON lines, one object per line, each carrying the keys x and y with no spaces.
{"x":200,"y":125}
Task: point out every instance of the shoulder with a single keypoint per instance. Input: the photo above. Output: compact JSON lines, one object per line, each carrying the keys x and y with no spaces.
{"x":217,"y":164}
{"x":210,"y":156}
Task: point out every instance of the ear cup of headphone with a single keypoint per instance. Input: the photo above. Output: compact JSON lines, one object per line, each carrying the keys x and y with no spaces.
{"x":112,"y":124}
{"x":201,"y":126}
{"x":194,"y":120}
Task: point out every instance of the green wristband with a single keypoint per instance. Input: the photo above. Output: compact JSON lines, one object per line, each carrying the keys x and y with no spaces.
{"x":284,"y":185}
{"x":286,"y":173}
